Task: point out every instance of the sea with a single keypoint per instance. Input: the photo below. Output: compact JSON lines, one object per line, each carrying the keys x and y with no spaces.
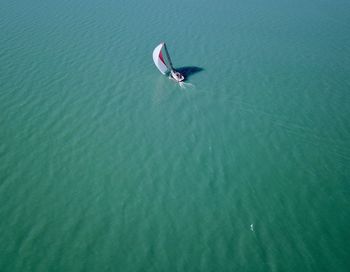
{"x":107,"y":165}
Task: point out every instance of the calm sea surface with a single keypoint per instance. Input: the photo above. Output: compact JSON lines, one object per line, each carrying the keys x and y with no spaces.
{"x":106,"y":165}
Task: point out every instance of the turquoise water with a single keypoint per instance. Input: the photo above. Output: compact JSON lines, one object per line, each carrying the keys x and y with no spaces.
{"x":106,"y":165}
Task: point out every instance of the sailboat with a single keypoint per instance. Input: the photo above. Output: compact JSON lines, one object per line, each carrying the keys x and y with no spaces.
{"x":162,"y":66}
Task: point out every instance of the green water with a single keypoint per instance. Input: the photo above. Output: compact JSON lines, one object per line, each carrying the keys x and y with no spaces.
{"x":106,"y":165}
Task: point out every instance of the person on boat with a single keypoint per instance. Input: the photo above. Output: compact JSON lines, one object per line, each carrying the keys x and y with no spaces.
{"x":178,"y":75}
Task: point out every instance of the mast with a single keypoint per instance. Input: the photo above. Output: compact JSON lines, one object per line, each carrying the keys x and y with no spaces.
{"x":168,"y":56}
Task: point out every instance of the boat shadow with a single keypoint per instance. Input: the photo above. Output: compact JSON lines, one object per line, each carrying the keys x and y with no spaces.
{"x":188,"y":71}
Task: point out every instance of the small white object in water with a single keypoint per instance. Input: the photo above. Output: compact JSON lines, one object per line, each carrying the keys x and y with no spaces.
{"x":252,"y":227}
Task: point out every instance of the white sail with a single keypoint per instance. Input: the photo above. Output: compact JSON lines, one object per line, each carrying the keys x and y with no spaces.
{"x":159,"y":60}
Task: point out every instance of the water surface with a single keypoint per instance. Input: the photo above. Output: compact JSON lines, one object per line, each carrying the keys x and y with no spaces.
{"x":106,"y":165}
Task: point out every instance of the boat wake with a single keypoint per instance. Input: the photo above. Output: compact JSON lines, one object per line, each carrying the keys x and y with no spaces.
{"x":184,"y":85}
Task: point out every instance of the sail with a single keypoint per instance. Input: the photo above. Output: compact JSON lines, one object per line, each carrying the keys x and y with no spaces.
{"x":158,"y":59}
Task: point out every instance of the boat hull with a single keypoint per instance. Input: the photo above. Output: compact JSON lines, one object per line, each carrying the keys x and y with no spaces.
{"x":177,"y":76}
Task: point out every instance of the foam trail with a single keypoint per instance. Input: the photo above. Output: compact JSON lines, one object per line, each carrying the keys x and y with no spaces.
{"x":183,"y":85}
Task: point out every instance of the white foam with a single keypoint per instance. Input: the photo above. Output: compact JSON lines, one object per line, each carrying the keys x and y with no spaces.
{"x":184,"y":85}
